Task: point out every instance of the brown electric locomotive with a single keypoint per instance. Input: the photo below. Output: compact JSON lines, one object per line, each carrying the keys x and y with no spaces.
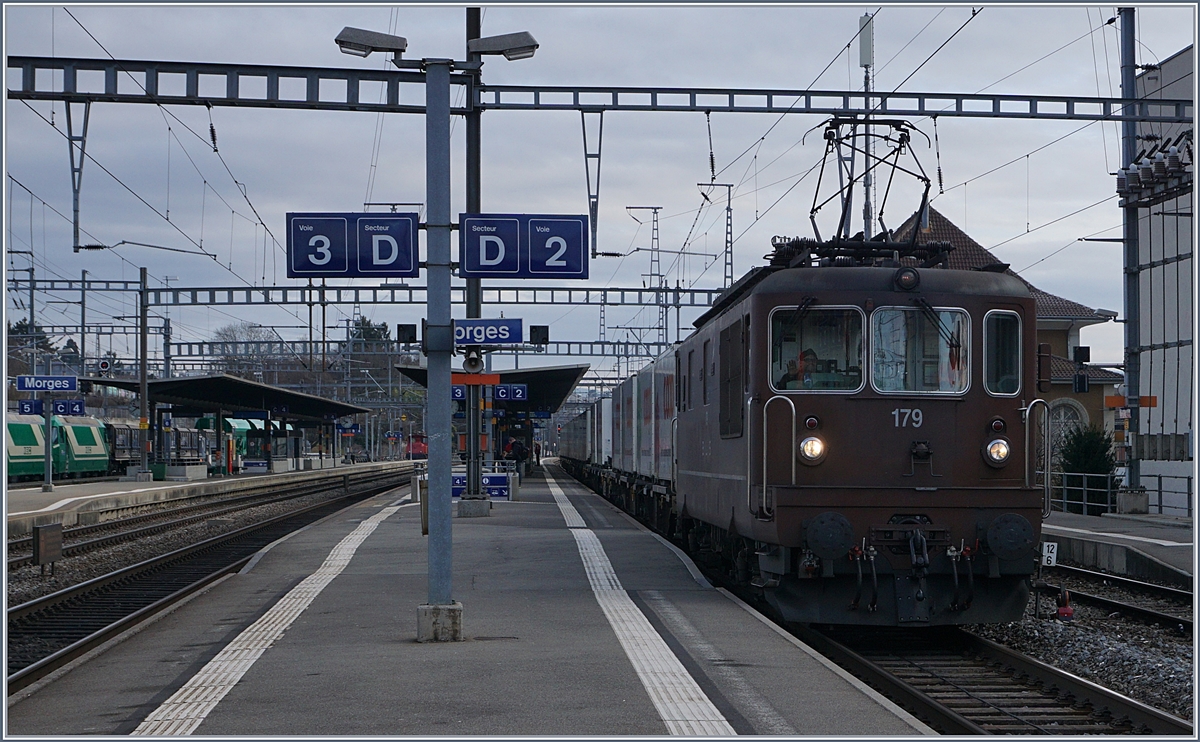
{"x":846,"y":430}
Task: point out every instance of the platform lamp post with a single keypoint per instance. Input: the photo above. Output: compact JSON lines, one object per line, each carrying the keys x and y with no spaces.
{"x":441,"y":618}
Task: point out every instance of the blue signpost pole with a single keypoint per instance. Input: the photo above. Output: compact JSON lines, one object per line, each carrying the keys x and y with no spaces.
{"x":48,"y":411}
{"x":441,"y":619}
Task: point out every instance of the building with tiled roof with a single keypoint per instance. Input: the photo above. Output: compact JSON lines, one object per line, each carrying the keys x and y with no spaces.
{"x":1058,"y":323}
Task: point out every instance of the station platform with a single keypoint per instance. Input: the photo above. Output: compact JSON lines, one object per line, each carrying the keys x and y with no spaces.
{"x":1140,"y":546}
{"x":76,"y":503}
{"x":577,"y":621}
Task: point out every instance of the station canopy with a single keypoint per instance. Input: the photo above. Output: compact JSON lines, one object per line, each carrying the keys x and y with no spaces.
{"x":548,"y":386}
{"x":231,"y":394}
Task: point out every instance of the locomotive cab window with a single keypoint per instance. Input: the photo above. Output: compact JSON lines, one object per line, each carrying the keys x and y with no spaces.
{"x":920,"y":350}
{"x":816,"y":350}
{"x":1002,"y":353}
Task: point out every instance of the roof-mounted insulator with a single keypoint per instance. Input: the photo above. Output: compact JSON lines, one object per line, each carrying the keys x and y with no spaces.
{"x":1146,"y":172}
{"x":1122,"y":181}
{"x":1132,"y":180}
{"x":1173,"y":162}
{"x":1160,"y":166}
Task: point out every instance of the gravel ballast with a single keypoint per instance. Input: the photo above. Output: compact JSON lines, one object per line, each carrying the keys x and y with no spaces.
{"x":1148,"y":663}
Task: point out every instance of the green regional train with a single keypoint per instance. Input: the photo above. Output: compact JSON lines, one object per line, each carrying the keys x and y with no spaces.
{"x":85,"y":453}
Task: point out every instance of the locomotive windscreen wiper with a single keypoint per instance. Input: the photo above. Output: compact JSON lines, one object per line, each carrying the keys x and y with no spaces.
{"x":932,"y":315}
{"x":801,"y":310}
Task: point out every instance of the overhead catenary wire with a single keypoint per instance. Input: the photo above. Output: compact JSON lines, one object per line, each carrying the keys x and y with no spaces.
{"x":212,"y":129}
{"x":1064,"y":247}
{"x":1106,"y":199}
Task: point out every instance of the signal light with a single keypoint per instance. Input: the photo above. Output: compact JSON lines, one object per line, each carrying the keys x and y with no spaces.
{"x":811,"y":422}
{"x":998,"y":425}
{"x":907,"y":279}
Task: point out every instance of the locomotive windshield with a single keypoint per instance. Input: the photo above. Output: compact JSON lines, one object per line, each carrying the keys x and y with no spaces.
{"x":920,"y":350}
{"x":816,"y":350}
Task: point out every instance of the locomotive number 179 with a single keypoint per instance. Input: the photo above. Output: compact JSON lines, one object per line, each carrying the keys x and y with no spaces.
{"x":904,"y":416}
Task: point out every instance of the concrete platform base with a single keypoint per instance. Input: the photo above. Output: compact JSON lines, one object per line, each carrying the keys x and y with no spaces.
{"x":439,"y":623}
{"x":474,"y":508}
{"x":138,"y":476}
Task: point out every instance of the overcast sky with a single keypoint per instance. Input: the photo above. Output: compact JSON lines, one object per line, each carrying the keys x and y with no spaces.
{"x":533,"y":161}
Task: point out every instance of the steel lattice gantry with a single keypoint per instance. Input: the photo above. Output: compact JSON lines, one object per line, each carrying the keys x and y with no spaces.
{"x":271,"y":86}
{"x":318,"y":295}
{"x":275,"y":349}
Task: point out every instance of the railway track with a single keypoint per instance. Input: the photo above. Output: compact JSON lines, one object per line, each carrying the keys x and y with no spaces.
{"x":962,"y":684}
{"x":165,"y":516}
{"x":1166,"y":606}
{"x":50,"y":632}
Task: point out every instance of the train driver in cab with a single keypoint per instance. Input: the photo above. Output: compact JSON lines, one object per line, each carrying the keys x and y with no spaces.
{"x":800,"y":370}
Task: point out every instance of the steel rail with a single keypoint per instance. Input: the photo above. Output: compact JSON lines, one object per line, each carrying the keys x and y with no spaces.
{"x":917,"y":702}
{"x":178,"y":560}
{"x":1128,"y":582}
{"x":1165,"y":620}
{"x":1139,"y":714}
{"x":997,"y":698}
{"x":210,"y":510}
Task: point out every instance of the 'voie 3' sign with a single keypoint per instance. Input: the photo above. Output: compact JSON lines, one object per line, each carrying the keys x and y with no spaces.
{"x":352,"y":245}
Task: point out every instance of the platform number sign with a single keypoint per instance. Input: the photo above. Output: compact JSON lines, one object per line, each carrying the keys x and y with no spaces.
{"x":352,"y":245}
{"x":511,"y":392}
{"x":522,"y":246}
{"x":68,"y":407}
{"x":1049,"y":553}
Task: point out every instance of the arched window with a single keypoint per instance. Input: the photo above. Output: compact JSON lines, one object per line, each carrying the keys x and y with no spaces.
{"x":1066,"y":414}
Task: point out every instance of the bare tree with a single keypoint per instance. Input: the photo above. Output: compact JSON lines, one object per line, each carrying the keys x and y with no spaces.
{"x":244,"y":362}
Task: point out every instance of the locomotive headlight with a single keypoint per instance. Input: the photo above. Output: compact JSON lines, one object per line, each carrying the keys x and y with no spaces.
{"x":812,"y":450}
{"x":997,"y":452}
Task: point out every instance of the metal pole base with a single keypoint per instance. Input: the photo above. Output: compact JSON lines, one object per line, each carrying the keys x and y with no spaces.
{"x":474,"y":508}
{"x":439,"y":623}
{"x":47,"y":488}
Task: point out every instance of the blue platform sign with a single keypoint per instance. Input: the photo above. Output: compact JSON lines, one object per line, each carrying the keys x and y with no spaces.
{"x":488,"y":331}
{"x":47,"y":384}
{"x":29,"y":406}
{"x":511,"y":392}
{"x":458,"y":392}
{"x":69,"y":407}
{"x":352,"y":245}
{"x":494,"y":485}
{"x":522,"y":246}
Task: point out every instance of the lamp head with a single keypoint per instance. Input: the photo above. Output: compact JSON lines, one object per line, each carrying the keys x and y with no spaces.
{"x":361,"y":43}
{"x":519,"y":45}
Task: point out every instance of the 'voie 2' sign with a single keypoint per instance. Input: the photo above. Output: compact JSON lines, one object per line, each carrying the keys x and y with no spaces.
{"x":522,"y":246}
{"x":352,"y":245}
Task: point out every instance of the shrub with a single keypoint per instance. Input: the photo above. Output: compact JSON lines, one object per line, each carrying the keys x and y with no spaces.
{"x":1087,"y":450}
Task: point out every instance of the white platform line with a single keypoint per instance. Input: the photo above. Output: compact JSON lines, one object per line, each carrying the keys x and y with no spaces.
{"x":1102,"y":534}
{"x":180,"y":714}
{"x":680,"y":702}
